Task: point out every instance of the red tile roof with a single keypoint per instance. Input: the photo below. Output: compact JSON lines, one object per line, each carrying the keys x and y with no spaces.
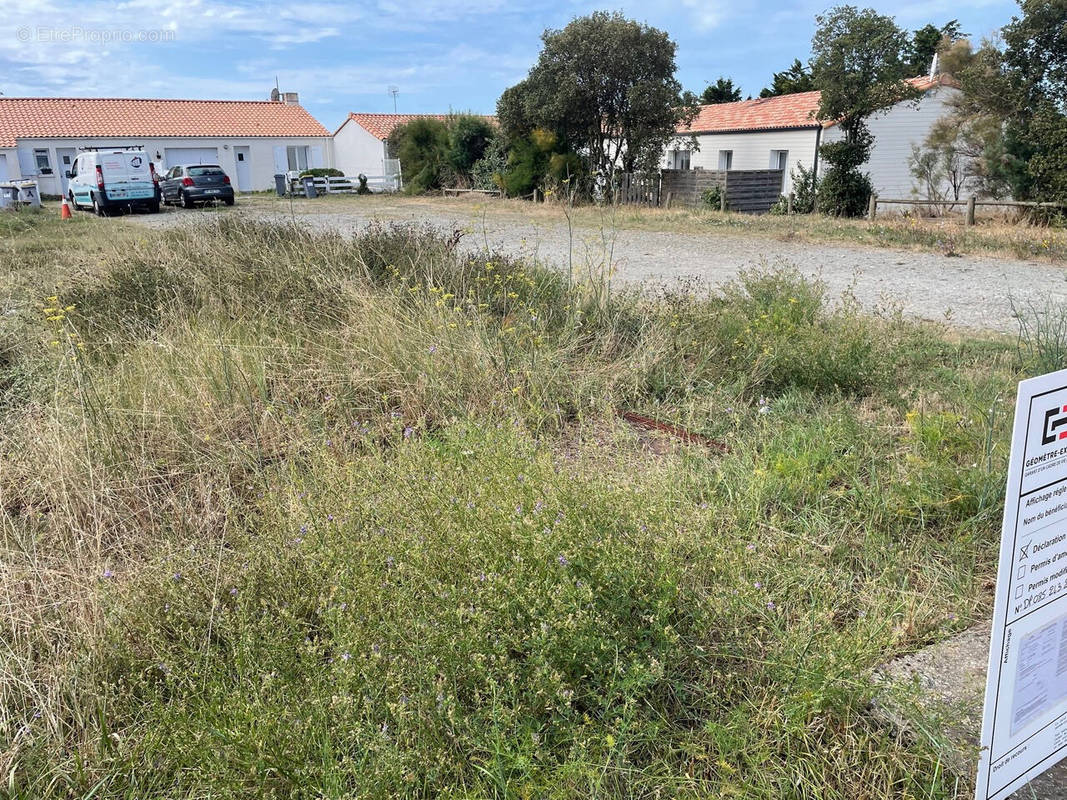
{"x":381,"y":125}
{"x":784,"y":111}
{"x":63,"y":117}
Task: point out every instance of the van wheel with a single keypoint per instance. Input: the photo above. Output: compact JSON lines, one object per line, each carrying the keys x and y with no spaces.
{"x":71,"y":202}
{"x":153,"y":207}
{"x":97,"y":207}
{"x":186,"y":202}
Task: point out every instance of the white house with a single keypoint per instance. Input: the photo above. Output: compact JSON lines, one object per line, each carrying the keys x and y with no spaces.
{"x":250,"y":140}
{"x":782,"y":132}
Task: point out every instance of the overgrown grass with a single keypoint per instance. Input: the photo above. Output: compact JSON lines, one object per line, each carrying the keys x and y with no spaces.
{"x":994,"y":235}
{"x":291,"y":515}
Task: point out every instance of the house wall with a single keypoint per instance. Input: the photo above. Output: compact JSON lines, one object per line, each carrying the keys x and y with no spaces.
{"x":752,"y":150}
{"x":357,"y":151}
{"x":895,"y":131}
{"x":263,"y":155}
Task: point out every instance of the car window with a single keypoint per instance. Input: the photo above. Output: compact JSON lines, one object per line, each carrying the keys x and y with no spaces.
{"x":206,"y":169}
{"x":176,"y":172}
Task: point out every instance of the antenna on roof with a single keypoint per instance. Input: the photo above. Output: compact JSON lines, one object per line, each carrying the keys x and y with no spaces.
{"x":394,"y":91}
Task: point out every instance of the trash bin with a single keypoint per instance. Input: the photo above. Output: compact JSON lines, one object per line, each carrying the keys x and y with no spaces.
{"x":9,"y":195}
{"x":279,"y":183}
{"x":28,"y":194}
{"x":309,"y":186}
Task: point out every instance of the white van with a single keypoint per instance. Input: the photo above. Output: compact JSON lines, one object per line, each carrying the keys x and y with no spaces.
{"x":107,"y":179}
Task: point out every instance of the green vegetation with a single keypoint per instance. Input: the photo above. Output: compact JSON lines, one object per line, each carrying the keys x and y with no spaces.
{"x":453,"y":152}
{"x":294,"y":515}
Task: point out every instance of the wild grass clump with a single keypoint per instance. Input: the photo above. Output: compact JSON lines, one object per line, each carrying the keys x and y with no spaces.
{"x":288,"y":515}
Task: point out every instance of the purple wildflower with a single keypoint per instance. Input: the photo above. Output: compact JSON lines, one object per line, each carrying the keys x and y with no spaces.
{"x":758,"y":585}
{"x":432,"y":349}
{"x":346,"y":655}
{"x":107,"y":574}
{"x":177,"y":576}
{"x":562,"y":561}
{"x":233,"y":592}
{"x":408,"y":431}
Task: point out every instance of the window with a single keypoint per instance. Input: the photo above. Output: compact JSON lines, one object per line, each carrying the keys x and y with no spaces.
{"x":206,"y":169}
{"x":678,"y":159}
{"x":726,"y":159}
{"x":44,"y":166}
{"x":74,"y":168}
{"x":779,"y":158}
{"x":298,"y":158}
{"x":240,"y":156}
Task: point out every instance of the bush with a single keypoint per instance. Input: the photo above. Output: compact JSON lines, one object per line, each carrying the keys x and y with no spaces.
{"x":844,"y":191}
{"x":322,"y":172}
{"x":712,"y":198}
{"x":422,"y":145}
{"x":469,"y":138}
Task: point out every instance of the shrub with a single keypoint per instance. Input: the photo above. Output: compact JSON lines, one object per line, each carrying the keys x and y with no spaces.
{"x":469,"y":138}
{"x":712,"y":197}
{"x":322,"y":172}
{"x":422,"y":146}
{"x":844,"y":191}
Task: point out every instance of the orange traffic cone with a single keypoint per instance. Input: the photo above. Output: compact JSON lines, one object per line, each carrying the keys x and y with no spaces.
{"x":64,"y":209}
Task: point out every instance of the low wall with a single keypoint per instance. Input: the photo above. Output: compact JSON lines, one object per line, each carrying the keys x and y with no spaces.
{"x":749,"y":191}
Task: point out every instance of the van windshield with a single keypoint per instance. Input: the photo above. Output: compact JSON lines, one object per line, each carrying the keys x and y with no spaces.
{"x":205,"y":170}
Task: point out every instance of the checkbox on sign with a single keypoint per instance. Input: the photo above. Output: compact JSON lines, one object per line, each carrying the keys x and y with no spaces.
{"x":1018,"y":592}
{"x":1022,"y":573}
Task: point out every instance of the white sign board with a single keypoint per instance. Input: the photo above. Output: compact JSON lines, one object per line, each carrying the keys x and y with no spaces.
{"x":1024,"y":727}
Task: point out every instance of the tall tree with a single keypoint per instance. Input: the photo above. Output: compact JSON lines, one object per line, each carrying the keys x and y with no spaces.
{"x":790,"y":81}
{"x":859,"y":68}
{"x":722,"y":91}
{"x":926,"y":41}
{"x":605,"y":86}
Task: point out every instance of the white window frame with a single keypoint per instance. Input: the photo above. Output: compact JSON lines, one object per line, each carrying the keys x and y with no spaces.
{"x":726,"y":160}
{"x":294,"y":155}
{"x":42,"y":159}
{"x":779,"y":159}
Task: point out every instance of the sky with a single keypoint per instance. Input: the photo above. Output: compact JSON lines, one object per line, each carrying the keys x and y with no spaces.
{"x":341,"y":56}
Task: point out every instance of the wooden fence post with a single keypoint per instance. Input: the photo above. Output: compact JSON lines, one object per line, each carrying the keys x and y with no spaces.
{"x":970,"y":210}
{"x":789,"y":204}
{"x":872,"y":208}
{"x":670,"y":196}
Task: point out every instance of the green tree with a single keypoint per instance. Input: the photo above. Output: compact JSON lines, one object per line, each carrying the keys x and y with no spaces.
{"x":790,"y":81}
{"x":605,"y":87}
{"x":722,"y":91}
{"x":469,"y":137}
{"x":925,"y":43}
{"x":858,"y":67}
{"x":422,"y":145}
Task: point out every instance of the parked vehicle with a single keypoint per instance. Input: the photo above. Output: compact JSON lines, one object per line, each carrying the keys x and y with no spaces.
{"x":189,"y":184}
{"x":110,"y":179}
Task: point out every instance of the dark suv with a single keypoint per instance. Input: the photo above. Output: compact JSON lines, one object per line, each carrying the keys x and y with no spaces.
{"x":190,"y":184}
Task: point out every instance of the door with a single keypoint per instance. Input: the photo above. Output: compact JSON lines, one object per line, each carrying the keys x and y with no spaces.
{"x":242,"y":155}
{"x":4,"y":175}
{"x":65,"y":156}
{"x":173,"y":156}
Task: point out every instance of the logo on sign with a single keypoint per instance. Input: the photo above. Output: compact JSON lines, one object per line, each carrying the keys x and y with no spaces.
{"x":135,"y":162}
{"x":1054,"y":418}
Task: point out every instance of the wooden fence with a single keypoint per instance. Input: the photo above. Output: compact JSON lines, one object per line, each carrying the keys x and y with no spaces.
{"x":748,"y":191}
{"x":639,"y":190}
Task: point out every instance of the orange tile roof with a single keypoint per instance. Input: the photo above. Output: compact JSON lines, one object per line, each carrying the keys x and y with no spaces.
{"x":381,"y":125}
{"x":66,"y":117}
{"x":784,"y":111}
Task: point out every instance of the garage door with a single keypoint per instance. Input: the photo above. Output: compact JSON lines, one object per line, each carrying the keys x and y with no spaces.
{"x":190,"y":155}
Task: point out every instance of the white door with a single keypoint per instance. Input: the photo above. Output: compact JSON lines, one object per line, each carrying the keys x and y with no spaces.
{"x":65,"y":156}
{"x":181,"y":156}
{"x":3,"y":167}
{"x":242,"y":156}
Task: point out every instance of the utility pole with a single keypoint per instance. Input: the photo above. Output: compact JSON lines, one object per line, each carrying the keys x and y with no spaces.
{"x":394,"y":91}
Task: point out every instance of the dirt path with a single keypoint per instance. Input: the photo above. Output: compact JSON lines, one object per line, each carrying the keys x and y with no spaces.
{"x":967,"y":291}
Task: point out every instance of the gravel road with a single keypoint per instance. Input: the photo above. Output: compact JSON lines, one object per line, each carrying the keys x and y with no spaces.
{"x":966,"y":291}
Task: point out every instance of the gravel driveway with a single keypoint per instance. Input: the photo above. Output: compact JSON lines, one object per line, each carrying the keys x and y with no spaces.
{"x":967,"y":291}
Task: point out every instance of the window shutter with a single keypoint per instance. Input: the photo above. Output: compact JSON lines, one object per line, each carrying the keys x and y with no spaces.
{"x":281,"y":160}
{"x":316,"y":158}
{"x":27,"y":165}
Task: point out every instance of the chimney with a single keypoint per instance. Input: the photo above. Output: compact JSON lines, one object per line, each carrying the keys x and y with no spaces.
{"x":291,"y":98}
{"x":275,"y":95}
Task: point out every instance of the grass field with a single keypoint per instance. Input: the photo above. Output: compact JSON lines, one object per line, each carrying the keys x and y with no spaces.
{"x":994,"y":235}
{"x":296,"y":516}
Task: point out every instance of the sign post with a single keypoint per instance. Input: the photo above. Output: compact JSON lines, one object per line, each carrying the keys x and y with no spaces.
{"x":1024,"y":726}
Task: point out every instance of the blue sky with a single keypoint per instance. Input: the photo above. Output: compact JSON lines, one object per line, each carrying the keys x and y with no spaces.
{"x":341,"y":56}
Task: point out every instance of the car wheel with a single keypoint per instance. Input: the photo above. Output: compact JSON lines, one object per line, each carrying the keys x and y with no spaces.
{"x":97,"y":207}
{"x":186,"y":200}
{"x":153,"y":207}
{"x":228,"y":201}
